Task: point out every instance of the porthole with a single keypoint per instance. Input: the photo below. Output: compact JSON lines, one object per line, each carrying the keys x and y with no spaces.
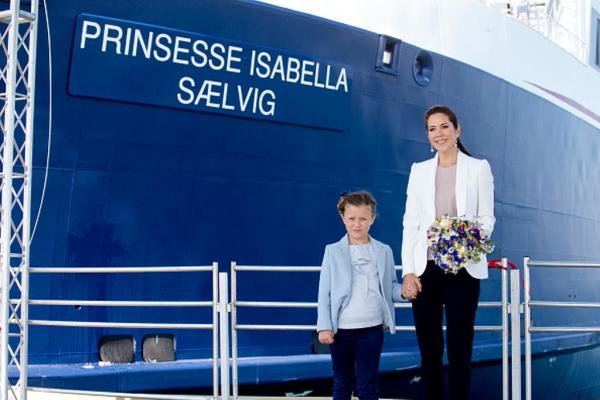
{"x":423,"y":68}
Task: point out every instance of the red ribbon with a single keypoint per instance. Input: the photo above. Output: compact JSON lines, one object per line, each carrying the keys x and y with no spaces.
{"x":497,"y":264}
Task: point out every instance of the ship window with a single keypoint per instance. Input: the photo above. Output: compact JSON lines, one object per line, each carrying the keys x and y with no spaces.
{"x":388,"y":55}
{"x":117,"y":349}
{"x":158,"y":347}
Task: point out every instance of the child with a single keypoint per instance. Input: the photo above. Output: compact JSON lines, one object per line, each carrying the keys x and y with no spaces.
{"x":357,"y":287}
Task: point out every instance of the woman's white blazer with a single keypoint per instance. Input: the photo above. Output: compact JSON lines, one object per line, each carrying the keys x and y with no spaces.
{"x":474,"y":201}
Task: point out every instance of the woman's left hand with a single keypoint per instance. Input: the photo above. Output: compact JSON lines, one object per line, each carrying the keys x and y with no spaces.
{"x":411,"y":286}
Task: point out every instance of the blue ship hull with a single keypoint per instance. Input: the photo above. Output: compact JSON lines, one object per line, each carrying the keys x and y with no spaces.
{"x":133,"y":183}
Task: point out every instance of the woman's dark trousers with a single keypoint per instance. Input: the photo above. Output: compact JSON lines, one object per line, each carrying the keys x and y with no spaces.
{"x":459,"y":295}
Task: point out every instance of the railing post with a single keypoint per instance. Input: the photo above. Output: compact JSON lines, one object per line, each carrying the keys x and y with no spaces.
{"x":515,"y":326}
{"x":224,"y":334}
{"x":528,"y":324}
{"x":215,"y":328}
{"x":505,"y":312}
{"x":234,"y":342}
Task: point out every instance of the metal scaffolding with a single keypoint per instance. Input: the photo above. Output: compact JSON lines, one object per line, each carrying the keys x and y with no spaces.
{"x":18,"y":39}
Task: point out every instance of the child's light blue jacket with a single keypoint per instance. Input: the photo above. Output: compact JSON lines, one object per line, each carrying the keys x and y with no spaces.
{"x":335,"y":283}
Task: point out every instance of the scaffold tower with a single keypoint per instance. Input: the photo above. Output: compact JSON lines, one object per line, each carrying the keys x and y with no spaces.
{"x":18,"y":39}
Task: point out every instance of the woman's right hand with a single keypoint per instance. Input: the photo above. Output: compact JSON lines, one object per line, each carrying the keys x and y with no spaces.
{"x":411,"y":286}
{"x":326,"y":337}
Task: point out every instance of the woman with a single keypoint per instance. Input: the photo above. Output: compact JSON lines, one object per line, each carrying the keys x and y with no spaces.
{"x":451,"y":183}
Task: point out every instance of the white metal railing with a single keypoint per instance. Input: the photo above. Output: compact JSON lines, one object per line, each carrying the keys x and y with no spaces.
{"x":556,"y":31}
{"x":214,"y":303}
{"x":529,"y":327}
{"x":235,"y":304}
{"x":515,"y":332}
{"x":504,"y":306}
{"x":540,"y":16}
{"x":89,"y":394}
{"x":221,"y":307}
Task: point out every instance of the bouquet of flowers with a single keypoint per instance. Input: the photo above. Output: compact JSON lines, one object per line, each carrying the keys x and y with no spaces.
{"x":456,"y":243}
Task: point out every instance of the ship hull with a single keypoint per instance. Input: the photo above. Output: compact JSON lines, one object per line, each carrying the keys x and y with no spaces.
{"x":140,"y":178}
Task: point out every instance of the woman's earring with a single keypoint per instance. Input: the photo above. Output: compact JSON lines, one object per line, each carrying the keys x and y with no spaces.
{"x":431,"y":149}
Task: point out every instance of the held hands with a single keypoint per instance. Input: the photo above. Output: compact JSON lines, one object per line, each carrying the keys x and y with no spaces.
{"x":411,"y":286}
{"x":326,"y":337}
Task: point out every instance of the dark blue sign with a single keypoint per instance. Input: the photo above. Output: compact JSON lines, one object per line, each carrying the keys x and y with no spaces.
{"x":149,"y":64}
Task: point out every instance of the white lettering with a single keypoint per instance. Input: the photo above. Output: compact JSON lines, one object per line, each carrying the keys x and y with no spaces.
{"x":252,"y":58}
{"x":85,"y":34}
{"x":306,"y":72}
{"x":231,"y":58}
{"x":127,"y":41}
{"x":224,"y":104}
{"x":328,"y":85}
{"x":254,"y":100}
{"x":164,"y":47}
{"x":270,"y":110}
{"x":199,"y":53}
{"x":342,"y":81}
{"x":317,"y":84}
{"x":188,"y":91}
{"x":293,"y":69}
{"x":263,"y":60}
{"x":206,"y":93}
{"x":178,"y":49}
{"x":244,"y":99}
{"x":115,"y":39}
{"x":138,"y":40}
{"x":218,"y":56}
{"x":278,"y":68}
